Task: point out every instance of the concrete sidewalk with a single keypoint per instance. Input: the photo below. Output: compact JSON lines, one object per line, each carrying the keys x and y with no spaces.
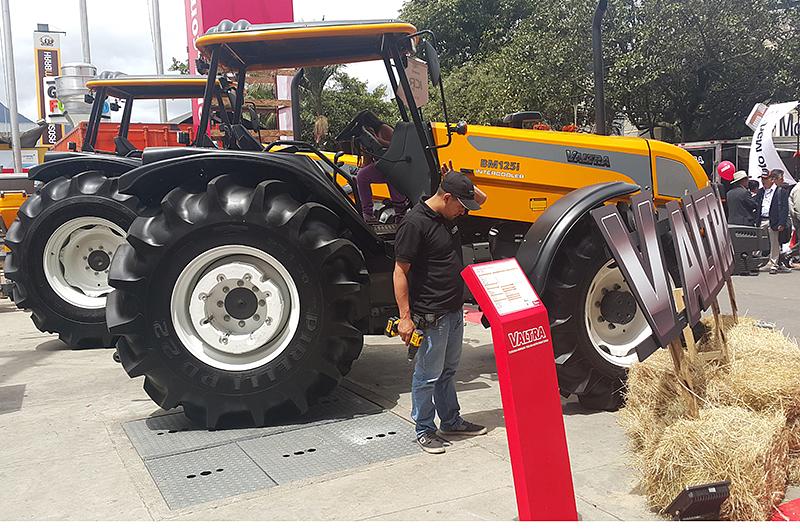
{"x":66,"y":457}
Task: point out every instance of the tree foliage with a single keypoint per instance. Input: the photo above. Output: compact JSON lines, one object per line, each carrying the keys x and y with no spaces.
{"x":694,"y":68}
{"x":339,"y":100}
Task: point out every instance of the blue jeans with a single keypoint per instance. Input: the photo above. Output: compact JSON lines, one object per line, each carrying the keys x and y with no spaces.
{"x":433,"y":388}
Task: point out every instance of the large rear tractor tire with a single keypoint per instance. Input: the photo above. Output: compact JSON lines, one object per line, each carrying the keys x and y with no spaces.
{"x":595,"y":321}
{"x":61,"y":248}
{"x":240,"y":301}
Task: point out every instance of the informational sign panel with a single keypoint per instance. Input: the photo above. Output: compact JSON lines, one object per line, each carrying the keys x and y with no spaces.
{"x":47,"y":56}
{"x":204,"y":14}
{"x":526,"y":370}
{"x":417,"y":73}
{"x":507,"y":286}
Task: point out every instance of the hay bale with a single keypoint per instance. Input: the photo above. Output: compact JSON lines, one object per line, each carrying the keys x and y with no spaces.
{"x":763,"y":372}
{"x":794,"y":469}
{"x":725,"y":443}
{"x":655,"y":397}
{"x":709,"y":342}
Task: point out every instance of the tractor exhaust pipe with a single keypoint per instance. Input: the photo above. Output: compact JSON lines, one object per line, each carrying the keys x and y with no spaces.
{"x":295,"y":88}
{"x":597,"y":47}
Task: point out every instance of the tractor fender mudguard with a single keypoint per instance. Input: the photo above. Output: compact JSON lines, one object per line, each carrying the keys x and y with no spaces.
{"x":160,"y":174}
{"x":68,"y":163}
{"x":543,"y":239}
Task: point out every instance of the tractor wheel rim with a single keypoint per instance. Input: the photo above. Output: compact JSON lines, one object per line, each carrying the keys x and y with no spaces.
{"x":615,"y":342}
{"x":235,"y":307}
{"x":76,"y":259}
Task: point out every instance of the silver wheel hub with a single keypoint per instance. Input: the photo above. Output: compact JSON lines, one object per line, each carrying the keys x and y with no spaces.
{"x":235,"y":307}
{"x":614,"y":321}
{"x":76,"y":259}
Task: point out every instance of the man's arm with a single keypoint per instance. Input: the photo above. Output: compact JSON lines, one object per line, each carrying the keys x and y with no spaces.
{"x":400,"y":277}
{"x":480,"y":196}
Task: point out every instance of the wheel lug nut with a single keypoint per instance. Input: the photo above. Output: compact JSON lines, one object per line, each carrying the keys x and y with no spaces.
{"x":256,"y":317}
{"x":239,"y":282}
{"x":96,"y":273}
{"x":604,"y":290}
{"x":225,"y":289}
{"x":226,"y":318}
{"x":224,"y":340}
{"x":262,"y":303}
{"x":601,"y":319}
{"x":254,"y":289}
{"x":247,"y":277}
{"x":100,"y":247}
{"x":220,"y":303}
{"x":611,"y":326}
{"x":268,"y":321}
{"x":616,"y":287}
{"x":597,"y":304}
{"x":87,"y":268}
{"x":267,"y":294}
{"x":241,"y":323}
{"x":85,"y":258}
{"x":203,"y":297}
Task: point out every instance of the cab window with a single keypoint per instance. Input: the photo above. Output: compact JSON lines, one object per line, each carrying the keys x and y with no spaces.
{"x":673,"y":178}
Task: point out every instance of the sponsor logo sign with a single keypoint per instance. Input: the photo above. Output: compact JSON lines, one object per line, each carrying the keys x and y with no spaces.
{"x":702,"y":256}
{"x":47,"y":54}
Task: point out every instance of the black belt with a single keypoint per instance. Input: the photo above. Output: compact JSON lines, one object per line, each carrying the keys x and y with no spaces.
{"x":426,"y":320}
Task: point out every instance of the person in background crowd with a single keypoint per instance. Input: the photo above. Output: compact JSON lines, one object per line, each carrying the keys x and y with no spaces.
{"x":753,"y":186}
{"x":773,"y":206}
{"x":786,"y":235}
{"x":794,"y":213}
{"x":741,"y":205}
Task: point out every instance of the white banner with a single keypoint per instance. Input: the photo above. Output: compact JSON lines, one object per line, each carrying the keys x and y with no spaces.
{"x":763,"y":156}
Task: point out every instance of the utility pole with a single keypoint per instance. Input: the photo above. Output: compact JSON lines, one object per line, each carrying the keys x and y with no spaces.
{"x":155,"y":24}
{"x":87,"y":54}
{"x":11,"y":83}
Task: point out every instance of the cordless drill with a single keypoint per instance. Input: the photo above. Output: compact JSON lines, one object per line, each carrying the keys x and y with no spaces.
{"x":416,"y":337}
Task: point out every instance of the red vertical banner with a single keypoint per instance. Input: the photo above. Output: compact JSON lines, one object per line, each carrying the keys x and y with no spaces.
{"x":204,"y":14}
{"x":47,"y":57}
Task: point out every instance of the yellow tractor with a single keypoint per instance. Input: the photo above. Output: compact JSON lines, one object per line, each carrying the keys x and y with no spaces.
{"x":245,"y":291}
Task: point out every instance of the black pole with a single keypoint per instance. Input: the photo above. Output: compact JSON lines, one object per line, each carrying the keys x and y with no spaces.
{"x":298,"y":77}
{"x":597,"y":47}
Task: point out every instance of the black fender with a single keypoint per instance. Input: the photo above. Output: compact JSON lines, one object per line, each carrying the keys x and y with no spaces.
{"x":68,"y":163}
{"x":540,"y":245}
{"x":166,"y":169}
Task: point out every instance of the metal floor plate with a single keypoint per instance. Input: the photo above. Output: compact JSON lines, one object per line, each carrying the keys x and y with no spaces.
{"x":173,"y":433}
{"x":205,"y":475}
{"x":191,"y":465}
{"x":305,"y":453}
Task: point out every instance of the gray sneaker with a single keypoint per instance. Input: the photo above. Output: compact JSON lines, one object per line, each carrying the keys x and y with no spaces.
{"x":430,"y":443}
{"x":465,"y":429}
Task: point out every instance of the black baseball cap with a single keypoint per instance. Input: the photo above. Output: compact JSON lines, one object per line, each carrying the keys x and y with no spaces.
{"x":460,"y":186}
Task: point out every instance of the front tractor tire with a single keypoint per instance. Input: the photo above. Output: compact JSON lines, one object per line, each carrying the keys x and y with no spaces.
{"x":239,"y":300}
{"x":595,"y":321}
{"x":61,"y":248}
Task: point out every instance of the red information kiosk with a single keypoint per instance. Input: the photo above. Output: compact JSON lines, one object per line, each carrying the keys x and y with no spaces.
{"x":531,"y":403}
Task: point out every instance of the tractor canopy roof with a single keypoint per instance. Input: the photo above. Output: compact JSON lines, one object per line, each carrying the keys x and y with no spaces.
{"x":270,"y":46}
{"x":124,"y":86}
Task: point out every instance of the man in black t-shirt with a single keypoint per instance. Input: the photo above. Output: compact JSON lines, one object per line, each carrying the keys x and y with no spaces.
{"x":429,"y":293}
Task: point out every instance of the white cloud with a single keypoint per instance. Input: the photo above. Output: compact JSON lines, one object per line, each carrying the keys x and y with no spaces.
{"x":120,"y":39}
